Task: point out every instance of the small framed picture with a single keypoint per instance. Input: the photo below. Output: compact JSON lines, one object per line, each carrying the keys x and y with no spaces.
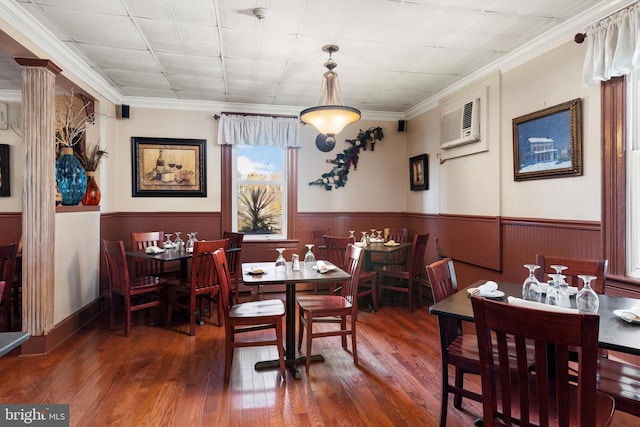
{"x":168,"y":167}
{"x":548,"y":143}
{"x":5,"y":188}
{"x":419,"y":172}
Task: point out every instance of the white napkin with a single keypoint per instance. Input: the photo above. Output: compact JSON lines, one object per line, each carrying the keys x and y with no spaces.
{"x":322,"y":266}
{"x":541,"y":306}
{"x":488,"y":288}
{"x":631,"y":314}
{"x":153,"y":250}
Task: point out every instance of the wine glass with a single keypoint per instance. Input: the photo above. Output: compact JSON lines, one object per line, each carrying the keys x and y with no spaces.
{"x":309,"y":258}
{"x":380,"y":238}
{"x":167,"y":241}
{"x":281,"y":263}
{"x":351,"y":235}
{"x":372,"y":236}
{"x":562,"y":285}
{"x":179,"y":243}
{"x":364,"y":237}
{"x":586,"y":298}
{"x":553,"y":292}
{"x":531,"y":289}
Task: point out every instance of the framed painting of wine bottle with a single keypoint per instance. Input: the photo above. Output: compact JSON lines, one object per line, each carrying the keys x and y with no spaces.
{"x":168,"y":167}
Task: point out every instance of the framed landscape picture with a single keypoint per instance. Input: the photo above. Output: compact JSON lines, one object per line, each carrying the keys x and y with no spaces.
{"x":548,"y":143}
{"x":419,"y":172}
{"x":168,"y":167}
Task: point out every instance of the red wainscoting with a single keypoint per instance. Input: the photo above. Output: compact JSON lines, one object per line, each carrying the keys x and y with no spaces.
{"x":10,"y":227}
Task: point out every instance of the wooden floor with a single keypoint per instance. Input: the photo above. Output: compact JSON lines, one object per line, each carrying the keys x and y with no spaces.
{"x":163,"y":377}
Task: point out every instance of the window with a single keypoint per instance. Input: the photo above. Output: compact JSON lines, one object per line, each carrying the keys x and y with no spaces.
{"x":633,"y":176}
{"x":260,"y":204}
{"x":259,"y":166}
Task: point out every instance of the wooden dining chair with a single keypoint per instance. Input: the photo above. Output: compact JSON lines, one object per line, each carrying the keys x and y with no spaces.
{"x":234,"y":261}
{"x":140,"y":293}
{"x":333,"y":309}
{"x":7,"y":274}
{"x":568,"y":399}
{"x":457,"y":349}
{"x":336,"y":248}
{"x":247,"y":317}
{"x":140,"y":241}
{"x":319,"y":249}
{"x":317,"y":238}
{"x":592,"y":267}
{"x":202,"y":284}
{"x":406,"y":279}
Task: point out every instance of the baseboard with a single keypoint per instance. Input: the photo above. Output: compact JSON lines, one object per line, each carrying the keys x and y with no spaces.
{"x":44,"y":344}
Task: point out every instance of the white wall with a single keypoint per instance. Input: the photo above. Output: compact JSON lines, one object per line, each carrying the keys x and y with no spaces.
{"x":380,"y":183}
{"x":552,"y":79}
{"x":77,"y":260}
{"x":145,"y":122}
{"x":482,"y":183}
{"x":13,"y":203}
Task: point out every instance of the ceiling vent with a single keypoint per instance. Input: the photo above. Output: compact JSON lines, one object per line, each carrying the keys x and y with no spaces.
{"x":461,"y":125}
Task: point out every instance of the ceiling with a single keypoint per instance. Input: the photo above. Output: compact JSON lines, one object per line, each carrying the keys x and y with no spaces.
{"x":393,"y":54}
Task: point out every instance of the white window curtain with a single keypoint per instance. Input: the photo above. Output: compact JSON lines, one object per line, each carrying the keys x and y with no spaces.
{"x":613,"y":47}
{"x":259,"y":130}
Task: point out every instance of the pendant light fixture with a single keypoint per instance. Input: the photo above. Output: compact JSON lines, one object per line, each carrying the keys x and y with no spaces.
{"x":330,"y":116}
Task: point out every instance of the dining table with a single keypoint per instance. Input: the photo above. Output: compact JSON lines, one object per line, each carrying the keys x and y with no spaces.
{"x":11,"y":340}
{"x":380,"y":248}
{"x":614,"y":333}
{"x":169,"y":255}
{"x":290,"y":278}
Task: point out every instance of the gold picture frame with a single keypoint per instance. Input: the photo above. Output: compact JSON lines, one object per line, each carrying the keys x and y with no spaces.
{"x":168,"y":167}
{"x":548,"y":143}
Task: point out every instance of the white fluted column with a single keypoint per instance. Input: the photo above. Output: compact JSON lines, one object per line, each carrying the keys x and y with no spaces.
{"x":38,"y":200}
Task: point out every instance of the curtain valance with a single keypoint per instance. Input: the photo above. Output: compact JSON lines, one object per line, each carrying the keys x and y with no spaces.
{"x":613,"y":48}
{"x":259,"y":130}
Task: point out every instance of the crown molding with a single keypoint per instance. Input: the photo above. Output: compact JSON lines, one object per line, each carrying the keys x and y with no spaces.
{"x":212,"y":106}
{"x":60,"y":54}
{"x":542,"y":44}
{"x":66,"y":59}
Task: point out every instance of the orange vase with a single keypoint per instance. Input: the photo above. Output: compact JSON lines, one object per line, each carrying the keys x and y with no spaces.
{"x":92,"y":195}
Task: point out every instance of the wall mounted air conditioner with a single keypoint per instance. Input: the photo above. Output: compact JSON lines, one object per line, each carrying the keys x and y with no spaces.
{"x":461,"y":125}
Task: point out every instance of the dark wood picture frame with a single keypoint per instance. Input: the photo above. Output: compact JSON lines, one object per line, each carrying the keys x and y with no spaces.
{"x":168,"y":167}
{"x":419,"y":172}
{"x":5,"y":177}
{"x":548,"y":143}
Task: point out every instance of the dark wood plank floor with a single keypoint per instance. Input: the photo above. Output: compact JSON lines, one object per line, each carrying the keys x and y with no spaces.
{"x":163,"y":377}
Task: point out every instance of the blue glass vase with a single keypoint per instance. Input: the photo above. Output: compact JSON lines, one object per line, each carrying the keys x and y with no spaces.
{"x":70,"y":177}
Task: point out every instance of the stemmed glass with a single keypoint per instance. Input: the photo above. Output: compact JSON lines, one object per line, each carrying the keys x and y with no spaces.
{"x":281,"y":263}
{"x":309,"y":258}
{"x":587,"y":299}
{"x":167,"y":241}
{"x":364,"y":237}
{"x":553,"y":292}
{"x":372,"y":236}
{"x":179,"y":242}
{"x":380,"y":238}
{"x":562,"y":285}
{"x":531,"y":289}
{"x":351,"y":235}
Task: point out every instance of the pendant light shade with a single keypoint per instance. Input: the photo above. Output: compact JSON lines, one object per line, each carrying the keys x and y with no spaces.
{"x":330,"y":116}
